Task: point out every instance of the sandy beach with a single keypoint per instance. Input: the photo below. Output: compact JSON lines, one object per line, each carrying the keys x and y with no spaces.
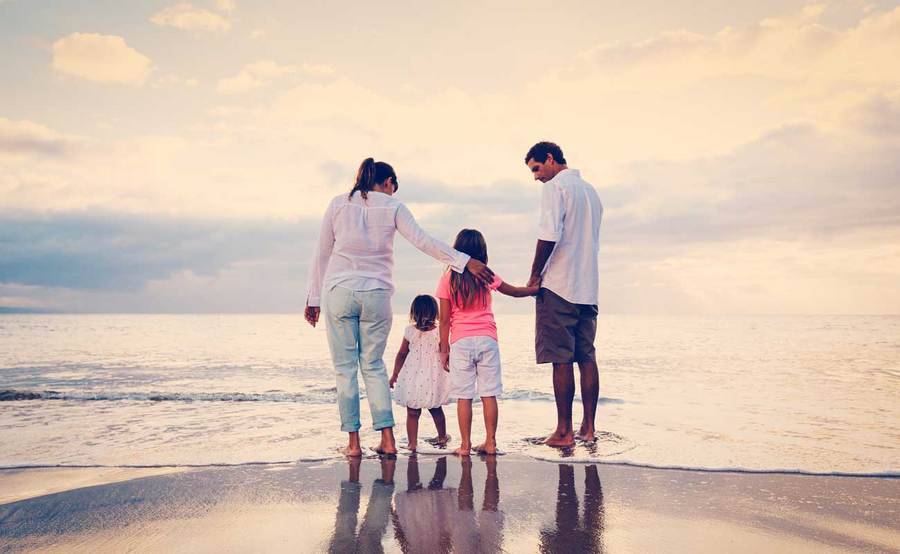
{"x":434,"y":503}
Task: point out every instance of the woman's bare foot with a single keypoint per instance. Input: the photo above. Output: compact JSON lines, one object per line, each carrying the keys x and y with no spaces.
{"x":387,"y":446}
{"x":489,"y":448}
{"x":559,"y":440}
{"x":463,"y":450}
{"x":352,"y":452}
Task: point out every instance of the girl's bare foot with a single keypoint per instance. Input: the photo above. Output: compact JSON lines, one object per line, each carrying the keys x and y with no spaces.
{"x":412,"y":447}
{"x":559,"y":440}
{"x":441,"y":441}
{"x":463,"y":450}
{"x":486,"y":447}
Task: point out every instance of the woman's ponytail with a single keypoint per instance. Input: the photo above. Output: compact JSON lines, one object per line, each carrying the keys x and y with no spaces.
{"x":365,"y":178}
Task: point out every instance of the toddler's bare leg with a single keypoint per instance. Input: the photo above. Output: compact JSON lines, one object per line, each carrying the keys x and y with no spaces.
{"x":440,"y":423}
{"x":412,"y":427}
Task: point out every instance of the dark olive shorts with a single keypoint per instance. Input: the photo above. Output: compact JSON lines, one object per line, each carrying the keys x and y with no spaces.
{"x":563,"y":332}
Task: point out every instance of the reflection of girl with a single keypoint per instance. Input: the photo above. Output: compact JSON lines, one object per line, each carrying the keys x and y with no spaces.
{"x":422,"y":516}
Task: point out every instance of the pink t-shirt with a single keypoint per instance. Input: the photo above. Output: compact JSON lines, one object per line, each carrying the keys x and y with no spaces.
{"x":476,"y":320}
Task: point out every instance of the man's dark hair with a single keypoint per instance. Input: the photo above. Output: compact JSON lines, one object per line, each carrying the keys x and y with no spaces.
{"x":539,"y":152}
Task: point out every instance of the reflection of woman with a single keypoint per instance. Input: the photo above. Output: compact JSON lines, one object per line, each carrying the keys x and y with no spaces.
{"x":353,"y":270}
{"x":569,"y":535}
{"x":374,"y":525}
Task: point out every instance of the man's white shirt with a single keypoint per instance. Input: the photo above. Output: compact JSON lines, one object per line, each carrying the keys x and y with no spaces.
{"x":570,"y":216}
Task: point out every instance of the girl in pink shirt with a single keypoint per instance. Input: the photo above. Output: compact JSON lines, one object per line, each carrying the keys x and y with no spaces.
{"x":468,"y":343}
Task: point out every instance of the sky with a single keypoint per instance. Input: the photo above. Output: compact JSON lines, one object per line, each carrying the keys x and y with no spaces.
{"x":167,"y":156}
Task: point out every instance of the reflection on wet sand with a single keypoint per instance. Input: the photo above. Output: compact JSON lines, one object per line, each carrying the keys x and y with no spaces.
{"x":425,"y":519}
{"x":452,"y":505}
{"x":375,"y":522}
{"x":570,"y":534}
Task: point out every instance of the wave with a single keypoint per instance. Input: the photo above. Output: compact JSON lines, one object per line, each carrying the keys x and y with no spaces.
{"x":697,"y":469}
{"x":312,"y":396}
{"x":557,"y":460}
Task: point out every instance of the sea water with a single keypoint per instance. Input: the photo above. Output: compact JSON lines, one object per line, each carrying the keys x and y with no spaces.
{"x":814,"y":394}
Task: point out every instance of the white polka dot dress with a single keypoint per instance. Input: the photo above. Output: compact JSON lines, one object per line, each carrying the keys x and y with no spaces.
{"x":422,"y":383}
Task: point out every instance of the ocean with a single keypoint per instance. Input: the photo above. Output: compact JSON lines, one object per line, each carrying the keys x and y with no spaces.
{"x":808,"y":394}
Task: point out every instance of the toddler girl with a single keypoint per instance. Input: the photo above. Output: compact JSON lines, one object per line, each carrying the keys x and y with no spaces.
{"x":468,"y":344}
{"x":421,"y":383}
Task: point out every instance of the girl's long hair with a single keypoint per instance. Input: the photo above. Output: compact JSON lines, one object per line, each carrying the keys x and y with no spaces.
{"x":371,"y":173}
{"x":423,"y":312}
{"x":464,"y":289}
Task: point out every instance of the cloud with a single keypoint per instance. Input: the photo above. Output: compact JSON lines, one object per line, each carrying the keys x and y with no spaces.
{"x":26,"y":137}
{"x":190,"y":18}
{"x":226,"y":5}
{"x":263,"y":73}
{"x":100,"y":58}
{"x":105,"y":251}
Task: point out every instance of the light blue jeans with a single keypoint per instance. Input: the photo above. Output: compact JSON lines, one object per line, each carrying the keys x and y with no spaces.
{"x":358,"y":324}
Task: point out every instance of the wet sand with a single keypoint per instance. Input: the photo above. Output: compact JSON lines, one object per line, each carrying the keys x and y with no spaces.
{"x":435,"y":504}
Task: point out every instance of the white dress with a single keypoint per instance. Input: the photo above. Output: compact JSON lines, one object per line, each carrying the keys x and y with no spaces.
{"x":422,"y":382}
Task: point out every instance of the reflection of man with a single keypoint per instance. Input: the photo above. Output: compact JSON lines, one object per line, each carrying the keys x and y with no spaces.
{"x":565,"y":265}
{"x":568,"y":535}
{"x":374,"y":525}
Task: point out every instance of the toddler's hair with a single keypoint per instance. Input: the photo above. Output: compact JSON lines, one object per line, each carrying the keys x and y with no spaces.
{"x":423,"y":312}
{"x":464,"y":289}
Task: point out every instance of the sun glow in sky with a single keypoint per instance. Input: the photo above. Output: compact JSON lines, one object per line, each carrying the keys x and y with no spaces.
{"x":175,"y":156}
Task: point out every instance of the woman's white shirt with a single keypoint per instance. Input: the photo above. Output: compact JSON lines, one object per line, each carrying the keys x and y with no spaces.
{"x":356,"y":244}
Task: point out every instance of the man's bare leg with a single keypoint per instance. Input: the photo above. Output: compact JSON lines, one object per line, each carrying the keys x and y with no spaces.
{"x":590,"y":393}
{"x":564,"y":393}
{"x":412,"y":427}
{"x":353,"y":449}
{"x":489,"y":406}
{"x":387,"y":445}
{"x":464,"y":414}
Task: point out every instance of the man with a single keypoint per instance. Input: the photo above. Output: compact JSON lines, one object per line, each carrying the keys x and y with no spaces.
{"x":565,"y":265}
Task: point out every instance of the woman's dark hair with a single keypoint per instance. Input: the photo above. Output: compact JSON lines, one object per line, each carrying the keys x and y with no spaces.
{"x":539,"y":152}
{"x":423,"y":312}
{"x":370,"y":174}
{"x":464,"y":289}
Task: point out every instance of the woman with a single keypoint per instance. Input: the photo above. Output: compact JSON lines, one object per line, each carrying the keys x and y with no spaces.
{"x":352,"y":272}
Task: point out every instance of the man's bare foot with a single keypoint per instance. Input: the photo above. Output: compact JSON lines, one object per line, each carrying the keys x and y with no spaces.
{"x":559,"y":440}
{"x":464,"y":450}
{"x":352,"y":452}
{"x":586,"y":434}
{"x":489,"y":448}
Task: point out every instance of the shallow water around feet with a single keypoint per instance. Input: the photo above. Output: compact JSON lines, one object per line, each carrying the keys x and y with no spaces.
{"x":812,"y":393}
